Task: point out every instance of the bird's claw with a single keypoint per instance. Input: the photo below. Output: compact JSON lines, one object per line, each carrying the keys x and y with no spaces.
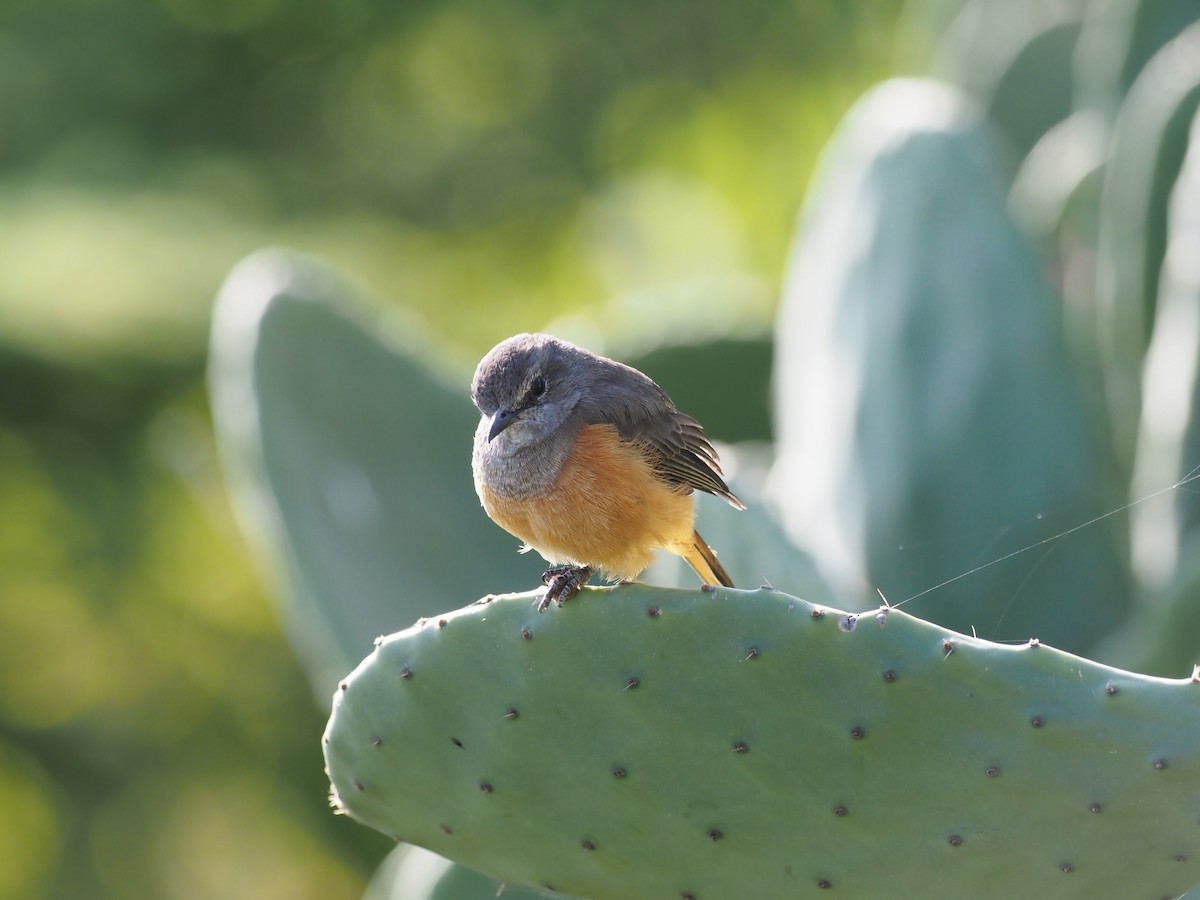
{"x":562,"y":583}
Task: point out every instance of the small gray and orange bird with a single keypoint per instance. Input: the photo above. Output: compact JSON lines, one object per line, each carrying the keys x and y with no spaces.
{"x":588,"y":462}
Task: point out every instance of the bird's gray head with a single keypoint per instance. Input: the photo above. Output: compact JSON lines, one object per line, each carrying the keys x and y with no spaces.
{"x":529,"y":384}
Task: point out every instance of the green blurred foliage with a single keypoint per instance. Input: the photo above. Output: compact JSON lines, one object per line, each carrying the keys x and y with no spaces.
{"x":489,"y":166}
{"x":531,"y":155}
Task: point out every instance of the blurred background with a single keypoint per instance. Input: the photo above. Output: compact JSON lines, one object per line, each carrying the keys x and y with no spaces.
{"x":490,"y":167}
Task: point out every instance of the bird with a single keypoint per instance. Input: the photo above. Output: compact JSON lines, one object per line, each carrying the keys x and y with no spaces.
{"x":587,"y":461}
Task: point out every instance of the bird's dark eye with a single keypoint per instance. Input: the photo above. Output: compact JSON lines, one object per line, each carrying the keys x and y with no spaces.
{"x":538,"y":387}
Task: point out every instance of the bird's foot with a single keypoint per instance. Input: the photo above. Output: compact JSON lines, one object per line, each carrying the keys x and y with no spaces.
{"x":562,"y":583}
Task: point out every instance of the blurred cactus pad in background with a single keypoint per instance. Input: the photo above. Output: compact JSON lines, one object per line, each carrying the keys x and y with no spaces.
{"x":927,"y":270}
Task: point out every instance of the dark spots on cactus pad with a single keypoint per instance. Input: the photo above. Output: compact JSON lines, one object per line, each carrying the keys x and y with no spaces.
{"x":1066,"y":868}
{"x":889,"y":676}
{"x":858,"y":733}
{"x":751,"y":653}
{"x":841,"y":811}
{"x":631,"y":682}
{"x":446,"y":829}
{"x":1160,"y":764}
{"x":406,"y":673}
{"x":824,"y":884}
{"x":1110,"y":689}
{"x":947,"y":646}
{"x":741,"y":747}
{"x":1180,"y":858}
{"x":359,"y":786}
{"x":1095,"y":807}
{"x":486,"y":787}
{"x":654,"y":612}
{"x":376,"y":741}
{"x":715,"y":834}
{"x":511,"y":713}
{"x":992,"y":772}
{"x":342,"y":686}
{"x":587,"y":845}
{"x":817,"y":613}
{"x":708,"y":588}
{"x":618,"y":772}
{"x":441,"y":623}
{"x":526,"y":633}
{"x":955,"y":840}
{"x":457,"y":743}
{"x":1037,"y":721}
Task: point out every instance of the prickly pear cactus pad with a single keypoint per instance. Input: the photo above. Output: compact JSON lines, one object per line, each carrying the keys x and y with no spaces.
{"x":652,"y":743}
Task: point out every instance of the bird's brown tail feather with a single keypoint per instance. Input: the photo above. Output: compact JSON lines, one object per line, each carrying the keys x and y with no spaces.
{"x":702,"y":558}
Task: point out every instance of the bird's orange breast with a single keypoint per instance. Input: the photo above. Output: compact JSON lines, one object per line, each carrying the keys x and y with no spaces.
{"x":606,"y":509}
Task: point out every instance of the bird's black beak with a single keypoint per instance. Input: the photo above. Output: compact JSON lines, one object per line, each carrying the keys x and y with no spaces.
{"x":501,"y":420}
